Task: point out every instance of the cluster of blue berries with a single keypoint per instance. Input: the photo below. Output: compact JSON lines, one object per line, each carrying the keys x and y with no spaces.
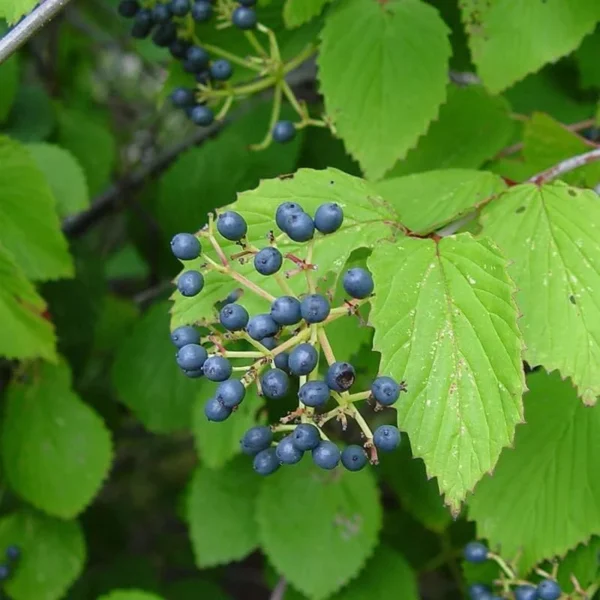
{"x":547,"y":589}
{"x":288,"y":338}
{"x":12,"y":554}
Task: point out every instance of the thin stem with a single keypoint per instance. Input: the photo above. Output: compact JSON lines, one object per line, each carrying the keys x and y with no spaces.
{"x":364,"y":426}
{"x":298,"y":60}
{"x":277,"y":428}
{"x":358,"y":396}
{"x":326,"y":346}
{"x":263,"y":351}
{"x":255,"y":43}
{"x":250,"y":285}
{"x":289,"y":94}
{"x":243,"y":354}
{"x":244,"y":368}
{"x":274,"y":46}
{"x":224,"y":109}
{"x":215,"y":244}
{"x":309,"y":255}
{"x":243,"y":90}
{"x":284,"y":285}
{"x":502,"y":564}
{"x":234,"y":58}
{"x":565,"y":166}
{"x":275,"y":112}
{"x":293,"y":341}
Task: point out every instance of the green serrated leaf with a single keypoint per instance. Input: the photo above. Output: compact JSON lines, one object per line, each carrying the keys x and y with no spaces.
{"x":32,"y":116}
{"x":56,"y":449}
{"x":220,"y":513}
{"x":28,"y":220}
{"x":159,"y":394}
{"x":53,"y":554}
{"x":550,"y":233}
{"x":318,"y":528}
{"x":383,"y":72}
{"x":427,"y":201}
{"x":446,"y":322}
{"x":472,"y":127}
{"x":509,"y":40}
{"x":26,"y":333}
{"x":529,"y":504}
{"x":9,"y":83}
{"x":217,"y":443}
{"x":298,"y":12}
{"x":130,"y":595}
{"x":581,"y":562}
{"x":64,"y":175}
{"x":12,"y":10}
{"x":368,"y":220}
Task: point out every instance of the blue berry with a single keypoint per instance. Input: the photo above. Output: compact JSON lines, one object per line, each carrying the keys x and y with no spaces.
{"x":201,"y":11}
{"x":287,"y":453}
{"x":190,"y":283}
{"x":283,"y":131}
{"x":232,"y":226}
{"x":234,"y":317}
{"x":300,"y":227}
{"x":358,"y":283}
{"x":262,"y":326}
{"x":142,"y":24}
{"x":385,"y":390}
{"x":216,"y":411}
{"x":256,"y":439}
{"x":161,"y":13}
{"x":303,"y":359}
{"x":231,"y":393}
{"x":268,"y":261}
{"x":247,"y":2}
{"x":275,"y":384}
{"x":217,"y":368}
{"x":180,"y":7}
{"x":284,"y":211}
{"x":314,"y":393}
{"x":128,"y":8}
{"x":203,"y":77}
{"x":285,"y":310}
{"x":184,"y":335}
{"x":329,"y":217}
{"x":386,"y":438}
{"x":183,"y":98}
{"x":478,"y":591}
{"x":165,"y":35}
{"x":548,"y":590}
{"x":475,"y":552}
{"x":266,"y":462}
{"x":526,"y":592}
{"x":306,"y":437}
{"x":326,"y":455}
{"x":4,"y":572}
{"x":201,"y":115}
{"x":179,"y":48}
{"x":282,"y":361}
{"x":196,"y":59}
{"x":184,"y":246}
{"x":354,"y":457}
{"x":269,"y":343}
{"x":221,"y":70}
{"x":13,"y":553}
{"x":314,"y":308}
{"x":244,"y":18}
{"x":340,"y":376}
{"x":191,"y":357}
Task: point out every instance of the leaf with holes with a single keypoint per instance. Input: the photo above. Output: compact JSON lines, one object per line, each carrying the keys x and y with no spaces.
{"x":550,"y":234}
{"x":368,"y":220}
{"x":446,"y":322}
{"x":532,"y":504}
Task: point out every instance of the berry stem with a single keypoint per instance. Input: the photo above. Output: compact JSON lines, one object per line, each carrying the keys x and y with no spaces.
{"x":275,"y":112}
{"x":224,"y":109}
{"x":289,"y":94}
{"x":305,"y":54}
{"x":308,"y":261}
{"x":262,"y":350}
{"x":285,"y":286}
{"x":358,"y":396}
{"x":353,"y":412}
{"x":502,"y":564}
{"x":244,"y":368}
{"x":293,"y":341}
{"x":278,"y":428}
{"x":326,"y":346}
{"x":234,"y":58}
{"x":258,"y":47}
{"x":243,"y":90}
{"x":242,"y":354}
{"x":273,"y":45}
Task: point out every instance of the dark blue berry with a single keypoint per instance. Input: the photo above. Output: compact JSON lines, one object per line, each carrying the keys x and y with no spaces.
{"x":268,"y":261}
{"x":314,"y":393}
{"x":128,"y":8}
{"x":287,"y":453}
{"x":285,"y":310}
{"x":284,"y":211}
{"x":179,"y":48}
{"x":182,"y":98}
{"x":217,"y":368}
{"x":142,"y":24}
{"x":165,"y":35}
{"x":548,"y":590}
{"x":184,"y":335}
{"x":306,"y":437}
{"x":262,"y":326}
{"x":326,"y":455}
{"x":275,"y":384}
{"x":13,"y":553}
{"x":201,"y":11}
{"x":526,"y":592}
{"x":478,"y":591}
{"x":269,"y":343}
{"x":244,"y":18}
{"x":340,"y":376}
{"x":358,"y":283}
{"x":191,"y":357}
{"x":221,"y":70}
{"x":299,"y":226}
{"x":303,"y":359}
{"x":386,"y":438}
{"x":385,"y":390}
{"x":256,"y":439}
{"x":282,"y":361}
{"x":180,"y":7}
{"x":190,"y":283}
{"x":234,"y":317}
{"x":184,"y":246}
{"x":196,"y":59}
{"x":161,"y":13}
{"x":232,"y":226}
{"x":329,"y":217}
{"x":203,"y":77}
{"x":4,"y":572}
{"x":247,"y":2}
{"x":201,"y":115}
{"x":266,"y":462}
{"x":216,"y":411}
{"x":314,"y":308}
{"x":475,"y":552}
{"x":231,"y":393}
{"x":283,"y":131}
{"x":354,"y":457}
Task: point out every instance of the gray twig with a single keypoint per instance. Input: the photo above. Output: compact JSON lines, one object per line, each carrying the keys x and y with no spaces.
{"x":567,"y":165}
{"x":279,"y":591}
